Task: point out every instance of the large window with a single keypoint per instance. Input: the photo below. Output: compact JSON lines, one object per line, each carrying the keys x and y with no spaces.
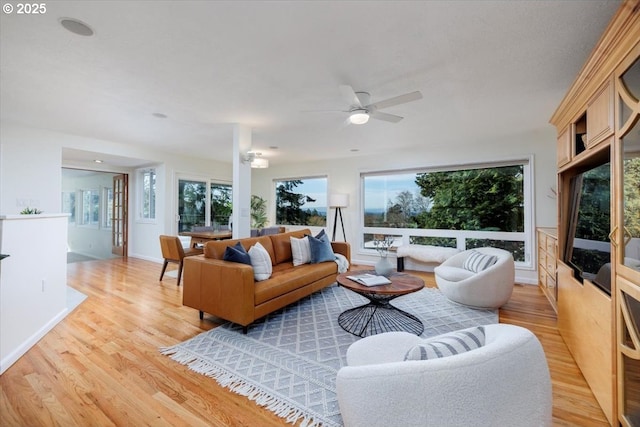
{"x":89,"y":207}
{"x":487,"y":205}
{"x":302,"y":201}
{"x":69,"y":205}
{"x":203,"y":203}
{"x":147,"y":194}
{"x":221,"y":204}
{"x":107,"y":207}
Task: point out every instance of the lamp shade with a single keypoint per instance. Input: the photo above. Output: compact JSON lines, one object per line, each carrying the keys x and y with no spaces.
{"x":338,"y":200}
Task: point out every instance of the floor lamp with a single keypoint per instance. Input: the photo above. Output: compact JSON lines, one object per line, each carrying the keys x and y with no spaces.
{"x":338,"y":201}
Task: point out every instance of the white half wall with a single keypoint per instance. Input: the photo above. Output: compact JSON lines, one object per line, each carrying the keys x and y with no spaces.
{"x":33,"y":281}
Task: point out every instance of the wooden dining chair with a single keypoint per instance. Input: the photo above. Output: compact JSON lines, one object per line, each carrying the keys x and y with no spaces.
{"x":173,"y":251}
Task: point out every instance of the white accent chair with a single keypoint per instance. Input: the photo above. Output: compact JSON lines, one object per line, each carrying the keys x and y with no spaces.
{"x":506,"y":382}
{"x":488,"y":289}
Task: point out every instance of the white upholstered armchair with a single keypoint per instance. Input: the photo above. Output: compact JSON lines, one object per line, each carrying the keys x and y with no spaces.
{"x":506,"y":382}
{"x":487,"y":288}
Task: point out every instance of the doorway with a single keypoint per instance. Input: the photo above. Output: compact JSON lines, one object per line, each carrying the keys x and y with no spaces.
{"x":97,"y":203}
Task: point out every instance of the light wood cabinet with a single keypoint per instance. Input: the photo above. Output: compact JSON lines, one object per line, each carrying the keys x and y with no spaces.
{"x":547,"y":262}
{"x":598,"y":265}
{"x":564,"y":147}
{"x":600,"y":116}
{"x":626,"y":236}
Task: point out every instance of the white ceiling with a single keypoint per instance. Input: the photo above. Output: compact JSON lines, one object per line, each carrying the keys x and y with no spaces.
{"x":485,"y":68}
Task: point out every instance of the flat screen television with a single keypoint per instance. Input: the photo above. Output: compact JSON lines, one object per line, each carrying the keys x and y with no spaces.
{"x":588,"y":249}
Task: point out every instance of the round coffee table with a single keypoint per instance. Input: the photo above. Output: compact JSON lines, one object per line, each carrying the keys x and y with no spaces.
{"x":379,"y":315}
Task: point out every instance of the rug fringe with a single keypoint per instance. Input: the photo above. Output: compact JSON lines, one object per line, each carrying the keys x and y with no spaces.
{"x":281,"y":408}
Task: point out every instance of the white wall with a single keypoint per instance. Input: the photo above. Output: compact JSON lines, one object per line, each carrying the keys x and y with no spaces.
{"x":30,"y":169}
{"x":21,"y":146}
{"x":30,"y":173}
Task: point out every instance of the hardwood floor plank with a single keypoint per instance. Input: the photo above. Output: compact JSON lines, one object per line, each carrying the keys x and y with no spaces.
{"x":101,"y":366}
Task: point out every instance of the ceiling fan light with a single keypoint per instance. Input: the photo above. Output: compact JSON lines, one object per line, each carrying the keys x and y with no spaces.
{"x":359,"y":117}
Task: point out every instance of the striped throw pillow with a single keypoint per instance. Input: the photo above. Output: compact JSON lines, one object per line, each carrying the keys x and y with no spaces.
{"x":477,"y":262}
{"x":448,"y":344}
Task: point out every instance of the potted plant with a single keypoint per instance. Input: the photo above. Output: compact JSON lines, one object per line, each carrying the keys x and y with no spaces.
{"x":30,"y":211}
{"x":258,"y":212}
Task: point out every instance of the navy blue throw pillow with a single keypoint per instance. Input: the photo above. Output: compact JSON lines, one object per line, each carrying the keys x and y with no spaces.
{"x":237,"y":253}
{"x":321,"y":250}
{"x":322,"y":235}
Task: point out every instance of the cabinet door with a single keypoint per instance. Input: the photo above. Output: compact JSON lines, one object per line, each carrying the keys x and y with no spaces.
{"x":628,"y":108}
{"x":627,"y":237}
{"x":600,"y":116}
{"x":629,"y":352}
{"x":564,"y":147}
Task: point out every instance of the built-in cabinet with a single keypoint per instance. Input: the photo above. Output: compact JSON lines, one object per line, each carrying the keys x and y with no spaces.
{"x":598,"y":235}
{"x":547,"y":254}
{"x":626,"y":235}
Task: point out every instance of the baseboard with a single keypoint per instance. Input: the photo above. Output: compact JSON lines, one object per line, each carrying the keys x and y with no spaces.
{"x":16,"y":354}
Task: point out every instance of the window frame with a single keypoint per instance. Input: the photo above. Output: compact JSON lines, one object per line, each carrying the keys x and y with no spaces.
{"x":147,"y":201}
{"x":323,"y":194}
{"x":70,"y":206}
{"x":404,"y":234}
{"x":93,"y":206}
{"x":106,"y":208}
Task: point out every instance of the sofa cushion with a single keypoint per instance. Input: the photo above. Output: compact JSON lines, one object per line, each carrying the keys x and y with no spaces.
{"x":215,"y":248}
{"x":281,"y":243}
{"x":452,"y":274}
{"x":237,"y":253}
{"x":300,"y":250}
{"x":261,"y":262}
{"x":284,"y":280}
{"x":448,"y":344}
{"x":321,"y":250}
{"x":477,"y":261}
{"x":322,"y":235}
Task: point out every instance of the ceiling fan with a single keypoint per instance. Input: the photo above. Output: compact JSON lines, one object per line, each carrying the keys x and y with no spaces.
{"x":361,"y":108}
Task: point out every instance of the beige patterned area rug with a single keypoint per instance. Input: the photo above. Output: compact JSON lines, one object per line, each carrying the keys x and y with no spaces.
{"x":288,"y":361}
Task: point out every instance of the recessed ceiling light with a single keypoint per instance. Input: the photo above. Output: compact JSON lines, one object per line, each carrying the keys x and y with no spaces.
{"x":76,"y":26}
{"x":159,"y":115}
{"x":97,"y":161}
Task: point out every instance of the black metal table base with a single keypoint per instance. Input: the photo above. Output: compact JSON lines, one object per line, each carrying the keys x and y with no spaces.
{"x":377,"y":317}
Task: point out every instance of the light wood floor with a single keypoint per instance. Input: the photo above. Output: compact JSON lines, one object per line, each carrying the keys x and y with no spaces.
{"x":101,"y":365}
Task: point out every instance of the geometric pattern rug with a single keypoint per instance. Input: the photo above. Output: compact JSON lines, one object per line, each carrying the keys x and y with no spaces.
{"x":288,"y":361}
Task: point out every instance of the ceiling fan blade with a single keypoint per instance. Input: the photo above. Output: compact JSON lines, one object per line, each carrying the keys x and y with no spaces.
{"x":350,"y":95}
{"x":397,"y":100}
{"x":385,"y":116}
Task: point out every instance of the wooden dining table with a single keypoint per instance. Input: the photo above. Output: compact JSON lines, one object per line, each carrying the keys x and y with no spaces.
{"x":201,"y":237}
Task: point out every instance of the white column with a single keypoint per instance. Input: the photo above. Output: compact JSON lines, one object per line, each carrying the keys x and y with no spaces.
{"x":241,"y":216}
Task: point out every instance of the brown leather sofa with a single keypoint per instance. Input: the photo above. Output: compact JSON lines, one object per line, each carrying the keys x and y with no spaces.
{"x":228,"y":290}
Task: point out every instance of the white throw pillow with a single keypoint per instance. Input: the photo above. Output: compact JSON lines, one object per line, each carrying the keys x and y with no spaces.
{"x":477,"y":262}
{"x":448,"y":344}
{"x":300,"y":250}
{"x":261,"y":262}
